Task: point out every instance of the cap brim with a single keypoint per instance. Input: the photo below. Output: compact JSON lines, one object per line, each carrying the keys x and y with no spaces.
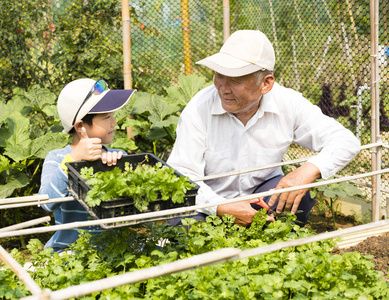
{"x":228,"y":65}
{"x":112,"y":100}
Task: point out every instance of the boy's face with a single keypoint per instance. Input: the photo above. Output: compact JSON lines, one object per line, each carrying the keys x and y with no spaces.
{"x":102,"y":127}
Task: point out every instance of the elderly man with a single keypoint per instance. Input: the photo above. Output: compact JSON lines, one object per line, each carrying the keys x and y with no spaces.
{"x":245,"y":120}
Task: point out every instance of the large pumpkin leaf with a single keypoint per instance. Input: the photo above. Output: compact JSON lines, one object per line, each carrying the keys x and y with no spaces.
{"x":51,"y":141}
{"x":155,"y":105}
{"x":125,"y":144}
{"x":139,"y":127}
{"x":188,"y":87}
{"x":171,"y":120}
{"x":15,"y":136}
{"x":4,"y":163}
{"x":36,"y":97}
{"x":13,"y":182}
{"x":3,"y":112}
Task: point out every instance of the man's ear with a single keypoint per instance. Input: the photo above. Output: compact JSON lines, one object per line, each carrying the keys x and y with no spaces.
{"x":267,"y":83}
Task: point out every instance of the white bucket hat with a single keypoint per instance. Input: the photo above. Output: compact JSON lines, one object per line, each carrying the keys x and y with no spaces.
{"x":244,"y":52}
{"x":73,"y":95}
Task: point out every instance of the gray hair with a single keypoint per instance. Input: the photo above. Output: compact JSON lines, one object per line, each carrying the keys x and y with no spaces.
{"x":260,"y":75}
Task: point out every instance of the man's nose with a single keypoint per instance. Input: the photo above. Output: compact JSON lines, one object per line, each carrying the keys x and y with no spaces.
{"x":225,"y":87}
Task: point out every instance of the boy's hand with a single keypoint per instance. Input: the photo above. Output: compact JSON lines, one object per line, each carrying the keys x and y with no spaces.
{"x":110,"y":158}
{"x":87,"y":148}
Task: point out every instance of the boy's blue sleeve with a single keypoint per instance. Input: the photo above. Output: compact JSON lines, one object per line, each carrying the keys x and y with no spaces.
{"x":54,"y":180}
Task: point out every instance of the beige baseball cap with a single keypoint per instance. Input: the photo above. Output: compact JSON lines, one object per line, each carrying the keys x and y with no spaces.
{"x":244,"y":52}
{"x":71,"y":104}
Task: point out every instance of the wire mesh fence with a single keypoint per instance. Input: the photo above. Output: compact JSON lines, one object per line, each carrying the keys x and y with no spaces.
{"x":322,"y":49}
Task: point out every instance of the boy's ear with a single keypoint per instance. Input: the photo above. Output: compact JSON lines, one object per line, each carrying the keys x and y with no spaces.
{"x":78,"y":125}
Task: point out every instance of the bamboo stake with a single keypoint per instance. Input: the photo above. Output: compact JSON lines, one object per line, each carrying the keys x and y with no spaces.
{"x":226,"y":19}
{"x":233,"y":173}
{"x":23,"y":199}
{"x":26,"y":224}
{"x":22,"y":274}
{"x":201,"y":260}
{"x":168,"y":212}
{"x":186,"y":37}
{"x":126,"y":45}
{"x":39,"y":202}
{"x":375,"y":107}
{"x":289,"y":162}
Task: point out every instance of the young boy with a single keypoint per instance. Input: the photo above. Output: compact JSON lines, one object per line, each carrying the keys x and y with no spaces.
{"x":85,"y":107}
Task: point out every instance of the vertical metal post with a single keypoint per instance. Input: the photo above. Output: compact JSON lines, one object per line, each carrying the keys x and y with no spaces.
{"x":226,"y":19}
{"x":126,"y":45}
{"x":375,"y":109}
{"x":361,"y":89}
{"x":186,"y":37}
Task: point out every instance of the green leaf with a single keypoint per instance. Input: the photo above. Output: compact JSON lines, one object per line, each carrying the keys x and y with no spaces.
{"x":4,"y":163}
{"x":36,"y":97}
{"x":139,"y":127}
{"x":124,"y":144}
{"x":155,"y":105}
{"x":188,"y":87}
{"x":16,"y":137}
{"x":51,"y":141}
{"x":13,"y":182}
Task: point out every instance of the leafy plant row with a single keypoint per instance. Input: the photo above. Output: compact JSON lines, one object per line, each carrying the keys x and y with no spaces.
{"x":303,"y":272}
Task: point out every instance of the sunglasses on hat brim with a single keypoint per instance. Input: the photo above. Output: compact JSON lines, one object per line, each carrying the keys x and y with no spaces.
{"x":99,"y":87}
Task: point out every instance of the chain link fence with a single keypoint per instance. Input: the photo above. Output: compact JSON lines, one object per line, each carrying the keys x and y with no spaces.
{"x":322,"y":49}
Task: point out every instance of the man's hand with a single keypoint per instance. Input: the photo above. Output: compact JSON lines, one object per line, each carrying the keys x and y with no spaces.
{"x":242,"y":211}
{"x":87,"y":148}
{"x":290,"y":201}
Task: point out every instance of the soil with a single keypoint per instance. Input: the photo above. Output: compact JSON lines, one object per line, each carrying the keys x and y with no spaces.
{"x":378,"y":246}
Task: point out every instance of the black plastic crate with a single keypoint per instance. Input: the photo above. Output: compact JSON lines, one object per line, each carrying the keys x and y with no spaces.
{"x":123,"y":206}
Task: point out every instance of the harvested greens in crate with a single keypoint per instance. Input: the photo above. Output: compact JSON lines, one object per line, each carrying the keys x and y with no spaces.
{"x":138,"y":183}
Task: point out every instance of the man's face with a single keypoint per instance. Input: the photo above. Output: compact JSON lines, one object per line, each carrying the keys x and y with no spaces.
{"x":239,"y":95}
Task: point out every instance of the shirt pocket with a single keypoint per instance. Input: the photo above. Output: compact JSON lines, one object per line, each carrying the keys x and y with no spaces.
{"x":218,"y":162}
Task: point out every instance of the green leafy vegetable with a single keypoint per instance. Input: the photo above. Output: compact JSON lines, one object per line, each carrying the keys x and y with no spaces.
{"x":309,"y":271}
{"x":143,"y":184}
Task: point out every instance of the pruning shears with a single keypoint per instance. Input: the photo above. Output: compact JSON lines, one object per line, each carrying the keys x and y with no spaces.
{"x":260,"y":203}
{"x":263,"y":204}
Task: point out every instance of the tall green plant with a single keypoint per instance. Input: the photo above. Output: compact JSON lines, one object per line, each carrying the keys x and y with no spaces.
{"x":27,"y":122}
{"x":328,"y":195}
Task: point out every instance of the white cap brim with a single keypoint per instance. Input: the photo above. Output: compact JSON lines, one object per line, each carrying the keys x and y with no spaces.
{"x":228,"y":65}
